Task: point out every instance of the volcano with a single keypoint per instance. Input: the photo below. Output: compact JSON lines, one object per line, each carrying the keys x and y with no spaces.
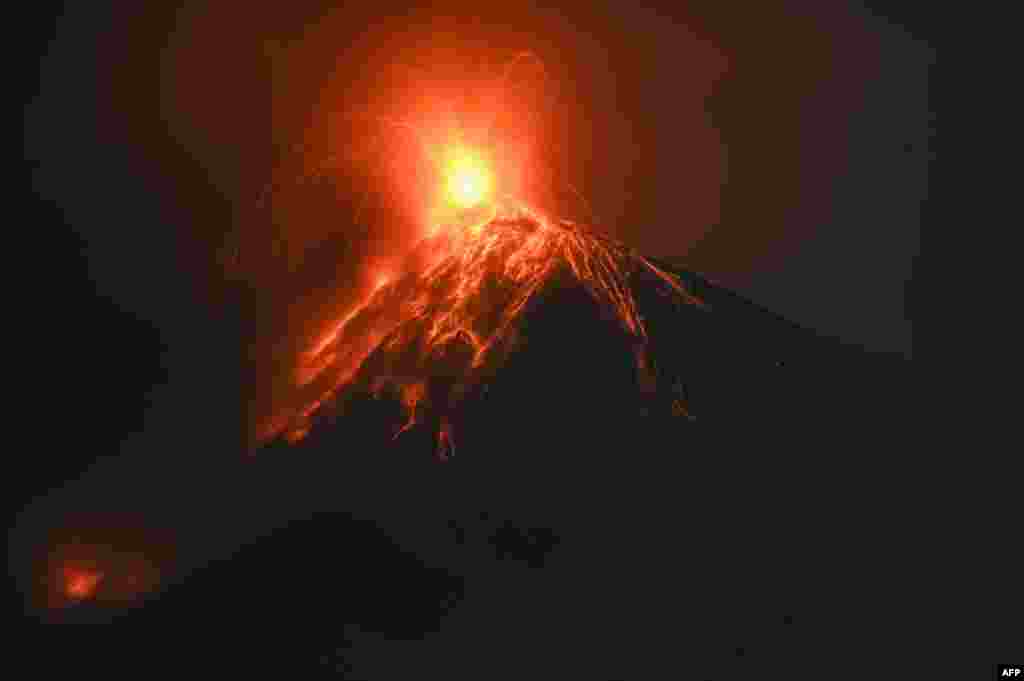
{"x":435,"y":339}
{"x":583,"y":450}
{"x":489,"y":322}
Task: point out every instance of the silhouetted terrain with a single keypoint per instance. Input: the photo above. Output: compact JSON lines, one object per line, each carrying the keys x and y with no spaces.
{"x":581,"y":529}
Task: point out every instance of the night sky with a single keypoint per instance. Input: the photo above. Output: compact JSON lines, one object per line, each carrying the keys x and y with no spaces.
{"x":779,"y":149}
{"x":782,"y":151}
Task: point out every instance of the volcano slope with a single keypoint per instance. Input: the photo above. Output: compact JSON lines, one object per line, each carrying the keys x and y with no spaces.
{"x":587,"y":517}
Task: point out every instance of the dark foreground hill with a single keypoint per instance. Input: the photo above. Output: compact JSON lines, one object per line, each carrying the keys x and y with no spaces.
{"x":746,"y":517}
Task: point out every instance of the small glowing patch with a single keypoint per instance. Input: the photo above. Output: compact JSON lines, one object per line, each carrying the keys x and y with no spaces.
{"x":80,"y":584}
{"x":468,"y":180}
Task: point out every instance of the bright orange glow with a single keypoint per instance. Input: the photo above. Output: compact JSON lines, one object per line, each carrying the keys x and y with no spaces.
{"x":80,"y":583}
{"x":468,"y":180}
{"x":463,"y":293}
{"x":107,"y":559}
{"x":458,"y":283}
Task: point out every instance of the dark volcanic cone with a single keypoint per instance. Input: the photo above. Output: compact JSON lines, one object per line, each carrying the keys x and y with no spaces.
{"x":469,"y":299}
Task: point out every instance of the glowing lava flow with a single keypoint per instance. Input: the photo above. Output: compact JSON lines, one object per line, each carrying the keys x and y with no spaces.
{"x":459,"y":301}
{"x":454,"y":305}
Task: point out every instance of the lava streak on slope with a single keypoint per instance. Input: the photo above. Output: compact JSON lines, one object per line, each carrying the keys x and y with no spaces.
{"x":459,"y":304}
{"x":464,"y":243}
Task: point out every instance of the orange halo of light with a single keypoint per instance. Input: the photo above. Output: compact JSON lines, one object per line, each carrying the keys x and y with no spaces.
{"x":448,"y":172}
{"x":445,"y":164}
